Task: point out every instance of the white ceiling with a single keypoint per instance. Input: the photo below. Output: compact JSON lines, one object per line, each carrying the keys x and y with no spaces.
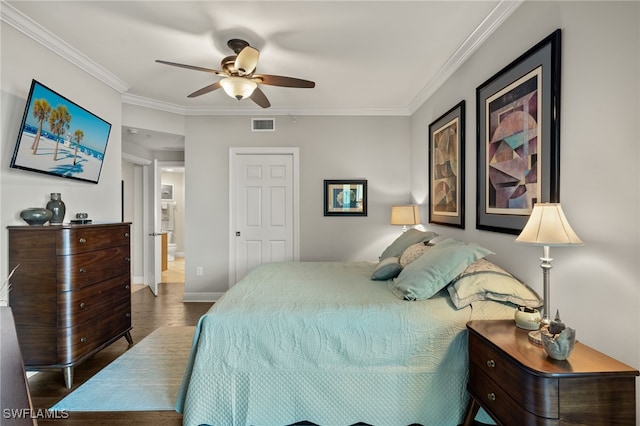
{"x":366,"y":57}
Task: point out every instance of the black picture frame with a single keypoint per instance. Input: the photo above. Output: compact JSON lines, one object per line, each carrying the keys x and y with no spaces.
{"x":345,"y":197}
{"x":446,"y":168}
{"x":521,"y":103}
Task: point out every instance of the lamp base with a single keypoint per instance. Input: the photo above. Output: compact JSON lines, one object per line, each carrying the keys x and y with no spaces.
{"x":535,"y":337}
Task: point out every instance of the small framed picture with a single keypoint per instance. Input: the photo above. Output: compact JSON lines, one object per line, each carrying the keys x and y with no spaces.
{"x":345,"y":197}
{"x":446,"y":168}
{"x":166,"y":192}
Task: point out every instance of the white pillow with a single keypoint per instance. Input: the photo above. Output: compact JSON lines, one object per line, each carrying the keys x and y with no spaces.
{"x":484,"y":280}
{"x":413,"y":252}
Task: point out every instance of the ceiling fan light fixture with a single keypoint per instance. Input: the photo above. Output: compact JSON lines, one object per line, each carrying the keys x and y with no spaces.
{"x":238,"y":87}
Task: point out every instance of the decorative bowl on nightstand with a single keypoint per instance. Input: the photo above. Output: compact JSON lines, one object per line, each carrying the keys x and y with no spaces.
{"x":558,"y":346}
{"x":527,"y":318}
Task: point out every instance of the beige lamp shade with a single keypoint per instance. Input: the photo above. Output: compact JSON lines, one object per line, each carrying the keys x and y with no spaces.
{"x":405,"y":215}
{"x":548,"y":226}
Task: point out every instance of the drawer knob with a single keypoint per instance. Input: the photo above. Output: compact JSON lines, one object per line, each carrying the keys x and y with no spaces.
{"x":491,"y":363}
{"x":128,"y":315}
{"x":127,"y":287}
{"x":83,"y":270}
{"x":82,"y":240}
{"x":491,"y":396}
{"x":83,"y":339}
{"x":127,"y":259}
{"x":82,"y":305}
{"x":126,"y":235}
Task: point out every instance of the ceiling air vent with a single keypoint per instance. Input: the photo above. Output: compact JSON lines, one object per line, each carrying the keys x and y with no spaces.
{"x":263,"y":124}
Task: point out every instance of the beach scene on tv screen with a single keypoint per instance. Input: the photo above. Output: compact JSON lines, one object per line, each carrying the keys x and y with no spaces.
{"x":61,"y":138}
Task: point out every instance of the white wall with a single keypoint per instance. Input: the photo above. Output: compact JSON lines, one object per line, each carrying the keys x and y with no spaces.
{"x":373,"y":148}
{"x":22,"y":189}
{"x":596,"y":286}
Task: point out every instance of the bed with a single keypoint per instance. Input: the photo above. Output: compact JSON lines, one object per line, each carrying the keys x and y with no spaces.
{"x":322,"y":342}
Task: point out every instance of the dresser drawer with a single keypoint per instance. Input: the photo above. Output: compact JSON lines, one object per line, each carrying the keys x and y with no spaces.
{"x":84,"y":239}
{"x":80,"y":340}
{"x":78,"y":306}
{"x":537,"y":395}
{"x":80,"y":270}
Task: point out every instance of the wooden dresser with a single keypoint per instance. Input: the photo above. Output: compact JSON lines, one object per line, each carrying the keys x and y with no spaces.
{"x":518,"y":384}
{"x":71,"y":294}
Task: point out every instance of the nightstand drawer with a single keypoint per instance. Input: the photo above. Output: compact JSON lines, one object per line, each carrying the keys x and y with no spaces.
{"x":537,"y":395}
{"x":498,"y":401}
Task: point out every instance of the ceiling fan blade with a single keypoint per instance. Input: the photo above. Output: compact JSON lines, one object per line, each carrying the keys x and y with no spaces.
{"x":206,"y":89}
{"x":190,"y":67}
{"x":247,"y":60}
{"x":278,"y":80}
{"x":259,"y":97}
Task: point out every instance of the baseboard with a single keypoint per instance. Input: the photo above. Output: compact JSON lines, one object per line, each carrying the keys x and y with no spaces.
{"x":202,"y":297}
{"x":137,"y":280}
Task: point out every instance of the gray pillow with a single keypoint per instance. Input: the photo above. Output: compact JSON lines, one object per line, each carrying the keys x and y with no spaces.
{"x":387,"y":269}
{"x":432,"y":271}
{"x":408,"y":238}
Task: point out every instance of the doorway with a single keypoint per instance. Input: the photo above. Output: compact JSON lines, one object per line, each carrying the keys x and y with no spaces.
{"x":172,"y":222}
{"x":263,"y":208}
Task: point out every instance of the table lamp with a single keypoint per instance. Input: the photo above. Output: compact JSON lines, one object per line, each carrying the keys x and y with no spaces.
{"x":547,"y":226}
{"x":405,"y":215}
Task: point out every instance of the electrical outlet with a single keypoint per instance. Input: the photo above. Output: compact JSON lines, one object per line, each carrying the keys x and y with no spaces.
{"x":199,"y":271}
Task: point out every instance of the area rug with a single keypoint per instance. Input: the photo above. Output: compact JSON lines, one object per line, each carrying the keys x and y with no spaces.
{"x":146,"y":377}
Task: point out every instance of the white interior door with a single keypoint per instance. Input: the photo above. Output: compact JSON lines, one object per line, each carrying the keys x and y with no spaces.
{"x":154,"y":241}
{"x":263,"y":209}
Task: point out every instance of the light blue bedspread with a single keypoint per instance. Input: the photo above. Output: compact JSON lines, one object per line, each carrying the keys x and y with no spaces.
{"x":320,"y":341}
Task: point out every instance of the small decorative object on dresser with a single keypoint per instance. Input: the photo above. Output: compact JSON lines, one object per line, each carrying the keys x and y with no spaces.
{"x":36,"y":215}
{"x":516,"y":383}
{"x":57,"y":207}
{"x":71,"y":296}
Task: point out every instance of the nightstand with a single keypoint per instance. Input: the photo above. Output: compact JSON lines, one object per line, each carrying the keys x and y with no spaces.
{"x":517,"y":384}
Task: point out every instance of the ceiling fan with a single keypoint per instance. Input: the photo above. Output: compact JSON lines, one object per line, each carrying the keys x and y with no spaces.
{"x":239,"y":80}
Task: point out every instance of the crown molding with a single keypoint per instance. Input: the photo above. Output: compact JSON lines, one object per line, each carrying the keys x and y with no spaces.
{"x":498,"y":15}
{"x":35,"y":31}
{"x":30,"y":28}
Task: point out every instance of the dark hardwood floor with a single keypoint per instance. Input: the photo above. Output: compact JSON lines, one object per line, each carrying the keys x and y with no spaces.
{"x":148,"y":313}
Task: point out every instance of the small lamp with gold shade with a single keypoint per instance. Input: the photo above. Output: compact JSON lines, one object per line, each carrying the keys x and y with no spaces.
{"x":405,"y":216}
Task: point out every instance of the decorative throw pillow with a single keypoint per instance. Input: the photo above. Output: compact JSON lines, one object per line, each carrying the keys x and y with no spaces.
{"x":413,"y":252}
{"x":428,"y":274}
{"x":484,"y":280}
{"x":408,"y":238}
{"x":387,"y":269}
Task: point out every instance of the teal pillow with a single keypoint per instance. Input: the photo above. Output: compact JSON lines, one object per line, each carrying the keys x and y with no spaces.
{"x":428,"y":274}
{"x":387,"y":269}
{"x":410,"y":237}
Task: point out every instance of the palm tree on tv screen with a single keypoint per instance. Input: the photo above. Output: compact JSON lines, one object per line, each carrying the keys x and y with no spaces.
{"x":59,"y":123}
{"x":41,"y":111}
{"x":77,"y":136}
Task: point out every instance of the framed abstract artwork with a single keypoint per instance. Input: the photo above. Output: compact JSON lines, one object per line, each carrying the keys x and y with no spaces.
{"x":446,"y":168}
{"x":518,"y":137}
{"x":345,"y":197}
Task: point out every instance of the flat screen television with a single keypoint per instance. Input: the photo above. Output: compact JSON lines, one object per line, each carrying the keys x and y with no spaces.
{"x":60,"y":138}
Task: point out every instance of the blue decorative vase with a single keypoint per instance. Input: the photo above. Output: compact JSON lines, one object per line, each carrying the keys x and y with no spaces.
{"x":57,"y":207}
{"x":36,"y":215}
